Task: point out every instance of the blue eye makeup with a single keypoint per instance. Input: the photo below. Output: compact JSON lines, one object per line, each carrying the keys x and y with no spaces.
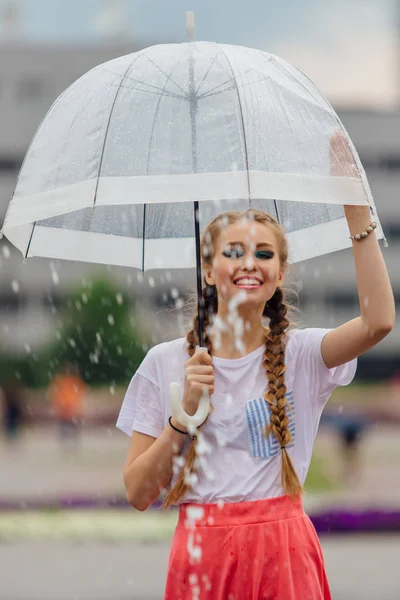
{"x":264,"y":254}
{"x":238,"y":252}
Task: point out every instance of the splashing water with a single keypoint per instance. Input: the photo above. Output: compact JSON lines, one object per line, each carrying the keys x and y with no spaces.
{"x":193,"y":514}
{"x":194,"y":583}
{"x":111,"y":320}
{"x":236,"y":321}
{"x":119,"y":298}
{"x":6,"y":251}
{"x":15,"y":286}
{"x":179,"y":303}
{"x":54,"y":274}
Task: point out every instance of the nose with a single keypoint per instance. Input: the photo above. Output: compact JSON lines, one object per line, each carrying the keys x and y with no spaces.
{"x":249,"y":262}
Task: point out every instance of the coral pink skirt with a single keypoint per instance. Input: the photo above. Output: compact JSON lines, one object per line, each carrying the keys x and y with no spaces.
{"x":263,"y":549}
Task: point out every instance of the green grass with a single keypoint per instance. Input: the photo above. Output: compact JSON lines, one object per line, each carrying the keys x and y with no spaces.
{"x":318,"y":479}
{"x":111,"y":525}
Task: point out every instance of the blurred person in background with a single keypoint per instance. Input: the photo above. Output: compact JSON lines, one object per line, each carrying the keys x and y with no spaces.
{"x":351,"y":426}
{"x":67,"y":394}
{"x":11,"y":393}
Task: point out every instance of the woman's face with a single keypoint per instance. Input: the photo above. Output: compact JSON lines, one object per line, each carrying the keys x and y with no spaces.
{"x":246,"y":261}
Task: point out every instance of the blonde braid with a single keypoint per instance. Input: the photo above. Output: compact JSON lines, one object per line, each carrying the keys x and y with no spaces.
{"x":274,"y":364}
{"x":210,"y":307}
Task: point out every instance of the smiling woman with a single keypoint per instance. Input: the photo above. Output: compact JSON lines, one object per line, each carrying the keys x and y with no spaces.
{"x":242,"y":529}
{"x":250,"y":254}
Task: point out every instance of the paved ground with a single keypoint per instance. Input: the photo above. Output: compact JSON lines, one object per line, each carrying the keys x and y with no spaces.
{"x":38,"y":468}
{"x":359,"y":568}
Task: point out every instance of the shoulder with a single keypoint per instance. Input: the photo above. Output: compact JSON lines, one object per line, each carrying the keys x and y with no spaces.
{"x":305,"y":342}
{"x":167,"y":349}
{"x":165,"y":355}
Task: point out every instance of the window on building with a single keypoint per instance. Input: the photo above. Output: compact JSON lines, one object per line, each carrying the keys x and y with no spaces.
{"x":381,"y":162}
{"x":392,"y":231}
{"x":30,"y":88}
{"x":10,"y":164}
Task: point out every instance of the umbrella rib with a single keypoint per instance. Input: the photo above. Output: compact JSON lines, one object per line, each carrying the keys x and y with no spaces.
{"x":108,"y":128}
{"x":148,"y":167}
{"x":213,"y":91}
{"x":165,"y":75}
{"x":211,"y":94}
{"x":207,"y":72}
{"x":30,"y":240}
{"x":159,"y":89}
{"x":243,"y":127}
{"x":125,"y":78}
{"x":144,"y":234}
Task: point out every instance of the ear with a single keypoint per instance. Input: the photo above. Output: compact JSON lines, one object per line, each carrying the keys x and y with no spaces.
{"x":209,"y":276}
{"x":281,"y":278}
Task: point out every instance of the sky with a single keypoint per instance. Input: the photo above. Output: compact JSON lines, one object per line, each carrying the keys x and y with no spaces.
{"x":349,"y":48}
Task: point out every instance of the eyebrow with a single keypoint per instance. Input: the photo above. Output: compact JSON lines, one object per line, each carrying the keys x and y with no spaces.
{"x":242,"y":244}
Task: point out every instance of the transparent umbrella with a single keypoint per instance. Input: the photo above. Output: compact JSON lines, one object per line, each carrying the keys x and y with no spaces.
{"x":126,"y":152}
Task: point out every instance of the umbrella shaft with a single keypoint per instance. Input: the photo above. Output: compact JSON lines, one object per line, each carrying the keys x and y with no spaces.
{"x":200,"y":299}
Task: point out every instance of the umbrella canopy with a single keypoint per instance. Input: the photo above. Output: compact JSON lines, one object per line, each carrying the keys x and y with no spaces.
{"x":113,"y":170}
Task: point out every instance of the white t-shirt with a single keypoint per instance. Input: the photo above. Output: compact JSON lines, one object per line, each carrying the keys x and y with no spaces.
{"x":237,"y":463}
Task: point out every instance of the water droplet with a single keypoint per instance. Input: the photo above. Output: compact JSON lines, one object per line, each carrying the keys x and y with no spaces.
{"x":366,"y":301}
{"x":15,"y":286}
{"x":111,"y":319}
{"x":72,"y":343}
{"x":84,"y":298}
{"x":152,"y":283}
{"x":175,"y":293}
{"x":112,"y":390}
{"x":6,"y":251}
{"x":179,"y":303}
{"x":54,"y":274}
{"x":120,"y":299}
{"x":28,"y":349}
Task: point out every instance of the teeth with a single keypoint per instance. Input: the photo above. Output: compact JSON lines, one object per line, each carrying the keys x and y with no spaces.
{"x":247,"y":282}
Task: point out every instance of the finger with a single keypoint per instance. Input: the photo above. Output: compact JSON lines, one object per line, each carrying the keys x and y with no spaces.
{"x":204,"y":388}
{"x":200,"y":369}
{"x":203,"y":379}
{"x":201,"y":358}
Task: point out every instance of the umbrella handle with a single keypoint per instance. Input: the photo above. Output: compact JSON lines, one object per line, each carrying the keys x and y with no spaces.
{"x":189,"y":421}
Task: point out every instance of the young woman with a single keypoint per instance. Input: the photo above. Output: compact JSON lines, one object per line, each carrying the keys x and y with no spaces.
{"x":242,"y":533}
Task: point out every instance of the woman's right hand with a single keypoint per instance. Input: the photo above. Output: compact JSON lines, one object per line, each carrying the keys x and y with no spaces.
{"x":199,"y":379}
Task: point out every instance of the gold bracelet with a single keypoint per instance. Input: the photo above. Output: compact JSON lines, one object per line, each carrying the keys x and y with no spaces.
{"x":364,"y":234}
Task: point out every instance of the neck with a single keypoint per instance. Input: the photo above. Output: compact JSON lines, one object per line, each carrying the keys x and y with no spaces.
{"x":236,"y":334}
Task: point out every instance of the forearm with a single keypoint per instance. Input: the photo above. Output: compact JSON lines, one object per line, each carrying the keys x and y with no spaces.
{"x":373,"y":284}
{"x":152,"y":471}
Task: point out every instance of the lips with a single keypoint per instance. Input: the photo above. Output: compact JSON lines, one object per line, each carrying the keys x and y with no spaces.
{"x":248,"y":282}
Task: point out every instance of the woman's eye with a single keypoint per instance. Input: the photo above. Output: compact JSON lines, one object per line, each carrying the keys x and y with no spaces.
{"x":264,"y":254}
{"x":233,"y":253}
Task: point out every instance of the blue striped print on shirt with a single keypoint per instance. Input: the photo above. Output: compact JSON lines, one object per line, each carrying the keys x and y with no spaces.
{"x":258,"y":416}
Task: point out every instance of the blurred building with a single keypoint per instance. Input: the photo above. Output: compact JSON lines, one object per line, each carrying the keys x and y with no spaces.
{"x":32,"y":76}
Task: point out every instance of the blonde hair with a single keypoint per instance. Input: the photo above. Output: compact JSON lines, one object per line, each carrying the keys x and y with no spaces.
{"x":274,"y":356}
